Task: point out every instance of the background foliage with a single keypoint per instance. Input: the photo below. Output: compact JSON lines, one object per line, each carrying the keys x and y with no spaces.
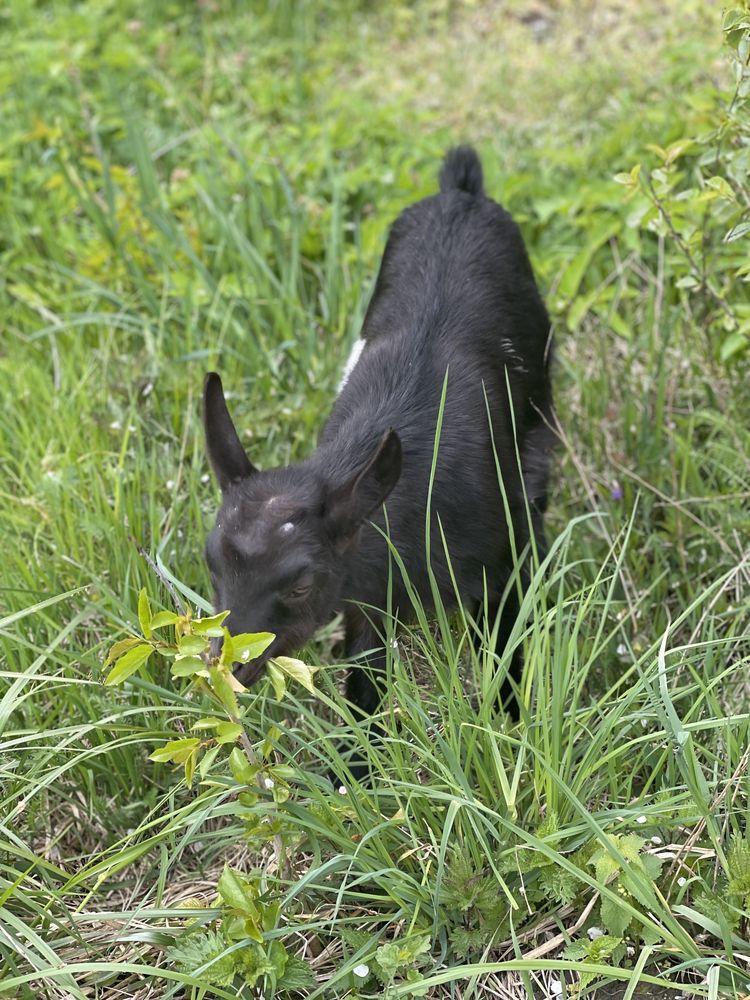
{"x":196,"y":185}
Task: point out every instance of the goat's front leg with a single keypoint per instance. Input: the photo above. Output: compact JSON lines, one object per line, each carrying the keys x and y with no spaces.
{"x":363,"y":687}
{"x":364,"y":683}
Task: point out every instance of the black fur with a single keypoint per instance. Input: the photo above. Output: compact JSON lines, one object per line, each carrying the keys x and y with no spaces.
{"x":462,"y":171}
{"x":455,"y":293}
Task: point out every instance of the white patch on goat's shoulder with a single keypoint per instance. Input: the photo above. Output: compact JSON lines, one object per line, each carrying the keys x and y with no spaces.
{"x":351,"y":362}
{"x":286,"y":528}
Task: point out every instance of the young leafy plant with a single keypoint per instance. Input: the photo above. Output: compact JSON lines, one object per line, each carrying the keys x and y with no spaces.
{"x":237,"y":946}
{"x":693,"y":194}
{"x":210,"y":675}
{"x":600,"y":949}
{"x":622,"y":877}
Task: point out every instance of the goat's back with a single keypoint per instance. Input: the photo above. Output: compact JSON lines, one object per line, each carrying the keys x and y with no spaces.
{"x":456,"y":294}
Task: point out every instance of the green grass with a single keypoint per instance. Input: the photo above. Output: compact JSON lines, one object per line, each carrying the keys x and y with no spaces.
{"x":198,"y":186}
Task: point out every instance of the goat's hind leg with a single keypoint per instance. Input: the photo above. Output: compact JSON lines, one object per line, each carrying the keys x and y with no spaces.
{"x":503,"y":608}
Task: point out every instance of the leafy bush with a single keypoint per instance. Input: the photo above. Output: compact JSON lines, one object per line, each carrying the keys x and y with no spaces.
{"x":696,"y":199}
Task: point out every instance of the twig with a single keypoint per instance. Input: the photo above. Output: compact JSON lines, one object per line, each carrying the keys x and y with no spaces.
{"x":697,"y":270}
{"x":180,"y":460}
{"x":278,"y":842}
{"x":167,"y":583}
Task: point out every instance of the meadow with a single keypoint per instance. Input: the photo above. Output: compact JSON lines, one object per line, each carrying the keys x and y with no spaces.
{"x":194,"y":186}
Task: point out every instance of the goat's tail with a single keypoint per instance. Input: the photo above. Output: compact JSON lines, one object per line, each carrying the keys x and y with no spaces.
{"x":462,"y":171}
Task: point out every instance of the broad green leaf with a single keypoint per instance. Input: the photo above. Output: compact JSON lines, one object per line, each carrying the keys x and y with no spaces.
{"x":205,"y":948}
{"x":162,"y":618}
{"x":144,"y":613}
{"x":207,"y":760}
{"x":192,"y":644}
{"x":223,"y":689}
{"x":227,"y":650}
{"x":297,"y":670}
{"x":211,"y":626}
{"x":601,"y":948}
{"x":190,"y":762}
{"x":687,"y":281}
{"x":395,"y":955}
{"x":207,"y":722}
{"x":706,"y":195}
{"x":277,"y":953}
{"x":253,"y":931}
{"x":630,"y":845}
{"x":280,"y":792}
{"x":250,"y":645}
{"x":234,"y":684}
{"x":649,"y":934}
{"x":652,"y":866}
{"x":186,"y":666}
{"x":298,"y":976}
{"x":605,"y":866}
{"x":735,"y":343}
{"x":236,"y":893}
{"x":284,"y":771}
{"x":228,"y":732}
{"x":741,"y":229}
{"x":732,"y":17}
{"x":415,"y":978}
{"x":722,"y":187}
{"x":277,"y":680}
{"x":176,"y":750}
{"x":127,"y":664}
{"x":630,"y":178}
{"x":676,"y":149}
{"x":242,"y":770}
{"x":238,"y":927}
{"x":615,"y":918}
{"x":272,"y":737}
{"x":122,"y":647}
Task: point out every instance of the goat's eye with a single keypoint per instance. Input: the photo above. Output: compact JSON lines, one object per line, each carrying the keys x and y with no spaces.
{"x":300,"y":591}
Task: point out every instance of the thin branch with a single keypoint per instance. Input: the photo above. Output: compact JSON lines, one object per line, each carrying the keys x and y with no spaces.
{"x":695,"y":267}
{"x":167,"y":583}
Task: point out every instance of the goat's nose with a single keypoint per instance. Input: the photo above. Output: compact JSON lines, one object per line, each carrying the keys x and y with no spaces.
{"x":215,"y":645}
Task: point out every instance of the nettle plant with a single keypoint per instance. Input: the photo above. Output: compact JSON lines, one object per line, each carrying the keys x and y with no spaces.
{"x":236,"y":947}
{"x":637,"y":894}
{"x":478,"y":915}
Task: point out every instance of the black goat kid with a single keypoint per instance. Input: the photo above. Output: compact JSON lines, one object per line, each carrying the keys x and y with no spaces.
{"x":291,"y":546}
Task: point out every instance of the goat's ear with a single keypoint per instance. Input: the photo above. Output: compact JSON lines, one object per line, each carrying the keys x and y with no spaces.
{"x":353,"y":503}
{"x":225,"y":453}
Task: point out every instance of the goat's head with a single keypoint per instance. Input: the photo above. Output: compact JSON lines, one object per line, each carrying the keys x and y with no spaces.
{"x":279,"y":550}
